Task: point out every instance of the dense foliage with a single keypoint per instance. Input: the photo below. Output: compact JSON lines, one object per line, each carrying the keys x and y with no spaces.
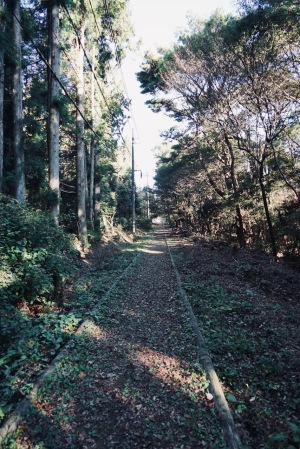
{"x":34,"y":255}
{"x":35,"y":261}
{"x":103,"y":108}
{"x":232,"y":84}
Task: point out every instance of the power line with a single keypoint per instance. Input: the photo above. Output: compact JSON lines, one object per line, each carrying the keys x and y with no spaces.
{"x":84,"y":51}
{"x":74,"y":69}
{"x":95,"y":19}
{"x":90,"y":65}
{"x":96,"y":22}
{"x":125,"y":90}
{"x":117,"y":54}
{"x":93,"y":12}
{"x":97,"y":26}
{"x":119,"y":63}
{"x":43,"y":59}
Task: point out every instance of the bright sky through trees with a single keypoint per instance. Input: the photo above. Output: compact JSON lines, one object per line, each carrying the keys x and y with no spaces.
{"x":156,"y":24}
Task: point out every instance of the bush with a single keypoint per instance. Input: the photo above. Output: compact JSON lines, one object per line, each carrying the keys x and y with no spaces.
{"x":33,"y":253}
{"x":145,"y":224}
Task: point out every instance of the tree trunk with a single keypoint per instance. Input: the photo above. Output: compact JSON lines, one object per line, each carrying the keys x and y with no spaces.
{"x":240,"y":226}
{"x":239,"y":218}
{"x":287,"y":182}
{"x":2,"y":28}
{"x":19,"y":157}
{"x":266,"y":207}
{"x":81,"y":176}
{"x":97,"y":207}
{"x":54,"y":110}
{"x":92,"y":178}
{"x":92,"y":166}
{"x":210,"y":179}
{"x":86,"y":165}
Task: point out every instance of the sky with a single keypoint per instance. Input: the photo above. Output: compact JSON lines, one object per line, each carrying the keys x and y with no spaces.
{"x":156,"y":24}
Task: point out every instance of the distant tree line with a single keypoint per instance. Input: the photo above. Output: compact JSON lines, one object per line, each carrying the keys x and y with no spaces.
{"x":233,"y":85}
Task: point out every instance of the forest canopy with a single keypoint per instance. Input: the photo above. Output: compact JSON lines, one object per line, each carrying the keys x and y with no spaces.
{"x":232,"y":85}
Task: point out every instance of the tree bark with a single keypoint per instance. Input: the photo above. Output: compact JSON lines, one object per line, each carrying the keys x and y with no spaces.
{"x":92,"y":178}
{"x":265,"y":202}
{"x":92,"y":166}
{"x":239,"y":218}
{"x":54,"y":110}
{"x":97,"y":206}
{"x":18,"y":148}
{"x":210,"y":179}
{"x":86,"y":165}
{"x":81,"y":174}
{"x":288,"y":183}
{"x":2,"y":28}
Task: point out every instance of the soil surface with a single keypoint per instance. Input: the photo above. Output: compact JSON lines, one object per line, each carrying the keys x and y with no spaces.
{"x":132,"y":378}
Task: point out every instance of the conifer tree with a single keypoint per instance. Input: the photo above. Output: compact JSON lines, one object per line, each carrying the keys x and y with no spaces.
{"x":2,"y":26}
{"x":53,"y":132}
{"x":92,"y":155}
{"x":80,"y":148}
{"x":18,"y":105}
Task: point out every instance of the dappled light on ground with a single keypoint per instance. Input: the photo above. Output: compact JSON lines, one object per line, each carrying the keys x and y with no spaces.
{"x":131,"y":379}
{"x":149,"y":251}
{"x":171,"y":371}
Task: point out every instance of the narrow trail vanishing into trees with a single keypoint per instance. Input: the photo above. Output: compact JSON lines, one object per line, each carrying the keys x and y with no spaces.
{"x":132,"y":378}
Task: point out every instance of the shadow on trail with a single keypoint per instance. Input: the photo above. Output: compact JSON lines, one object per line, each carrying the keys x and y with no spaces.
{"x":112,"y":400}
{"x":130,"y":381}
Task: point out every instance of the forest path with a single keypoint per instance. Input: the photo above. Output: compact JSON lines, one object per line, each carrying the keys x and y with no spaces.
{"x":131,"y":379}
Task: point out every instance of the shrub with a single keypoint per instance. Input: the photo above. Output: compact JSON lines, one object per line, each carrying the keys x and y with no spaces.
{"x":33,"y":253}
{"x":145,"y":224}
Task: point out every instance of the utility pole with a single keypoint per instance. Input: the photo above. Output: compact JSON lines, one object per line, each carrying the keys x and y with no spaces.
{"x":133,"y":187}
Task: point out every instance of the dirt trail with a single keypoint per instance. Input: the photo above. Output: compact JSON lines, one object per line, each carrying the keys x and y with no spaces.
{"x":132,"y":378}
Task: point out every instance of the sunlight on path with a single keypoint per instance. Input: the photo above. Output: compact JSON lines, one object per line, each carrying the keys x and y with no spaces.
{"x":131,"y":379}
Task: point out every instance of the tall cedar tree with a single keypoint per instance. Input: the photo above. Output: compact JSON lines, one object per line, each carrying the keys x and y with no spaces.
{"x":19,"y":157}
{"x":53,"y":122}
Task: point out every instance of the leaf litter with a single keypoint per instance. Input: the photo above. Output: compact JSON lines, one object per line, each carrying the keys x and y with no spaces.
{"x":132,"y":378}
{"x":248,"y":307}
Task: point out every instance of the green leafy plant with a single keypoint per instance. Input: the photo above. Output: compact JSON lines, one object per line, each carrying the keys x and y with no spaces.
{"x":288,"y":440}
{"x":34,"y":254}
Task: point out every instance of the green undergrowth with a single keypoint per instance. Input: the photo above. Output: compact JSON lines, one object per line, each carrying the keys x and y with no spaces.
{"x":92,"y":361}
{"x":46,"y":291}
{"x":253,"y":359}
